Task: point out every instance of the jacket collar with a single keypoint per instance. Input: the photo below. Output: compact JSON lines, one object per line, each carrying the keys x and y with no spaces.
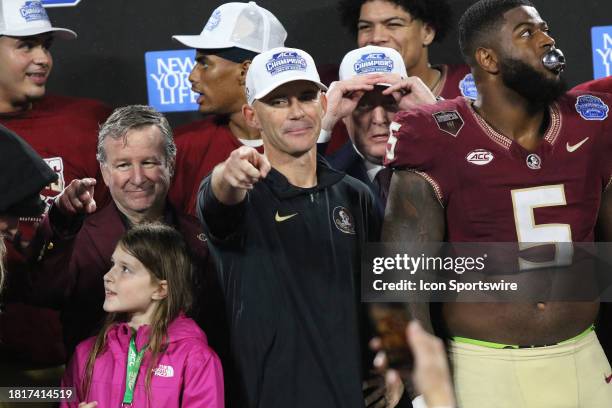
{"x":280,"y":186}
{"x":118,"y":337}
{"x":109,"y":224}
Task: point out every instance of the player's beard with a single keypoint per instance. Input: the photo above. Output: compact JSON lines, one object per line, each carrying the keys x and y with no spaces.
{"x":539,"y":90}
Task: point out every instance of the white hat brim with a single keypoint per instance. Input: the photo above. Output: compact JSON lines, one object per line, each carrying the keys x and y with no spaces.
{"x":272,"y":87}
{"x":63,"y":33}
{"x":200,"y":42}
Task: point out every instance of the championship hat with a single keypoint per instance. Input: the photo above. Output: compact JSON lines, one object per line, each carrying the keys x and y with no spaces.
{"x":242,"y":25}
{"x":372,"y":59}
{"x":276,"y":67}
{"x":23,"y":18}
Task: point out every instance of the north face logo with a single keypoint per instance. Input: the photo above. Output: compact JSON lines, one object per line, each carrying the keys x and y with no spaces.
{"x":164,"y":371}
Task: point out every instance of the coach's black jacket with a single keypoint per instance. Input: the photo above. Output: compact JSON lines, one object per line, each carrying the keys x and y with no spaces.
{"x":289,"y":261}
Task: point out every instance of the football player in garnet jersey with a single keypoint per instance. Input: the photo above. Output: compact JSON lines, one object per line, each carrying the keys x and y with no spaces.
{"x":524,"y":162}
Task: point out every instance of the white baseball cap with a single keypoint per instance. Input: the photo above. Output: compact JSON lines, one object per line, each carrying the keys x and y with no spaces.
{"x":242,"y":25}
{"x":23,"y":18}
{"x":276,"y":67}
{"x":372,"y":59}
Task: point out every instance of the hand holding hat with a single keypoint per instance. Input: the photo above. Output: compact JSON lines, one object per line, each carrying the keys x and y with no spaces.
{"x":343,"y":97}
{"x":409,"y":92}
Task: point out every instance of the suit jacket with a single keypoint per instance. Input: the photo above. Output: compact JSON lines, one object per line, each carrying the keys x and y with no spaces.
{"x":347,"y":160}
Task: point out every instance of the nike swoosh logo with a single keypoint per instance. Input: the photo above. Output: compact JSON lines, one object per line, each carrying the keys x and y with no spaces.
{"x":575,"y":147}
{"x":608,"y":378}
{"x":279,"y":218}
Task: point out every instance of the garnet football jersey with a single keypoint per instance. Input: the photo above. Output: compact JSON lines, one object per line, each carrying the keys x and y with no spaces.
{"x":596,"y":85}
{"x":494,"y":190}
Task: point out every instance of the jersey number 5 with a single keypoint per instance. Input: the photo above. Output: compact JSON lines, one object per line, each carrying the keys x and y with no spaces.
{"x":530,"y":234}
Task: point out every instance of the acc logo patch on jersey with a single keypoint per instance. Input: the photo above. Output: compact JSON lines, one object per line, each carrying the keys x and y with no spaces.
{"x":213,"y":21}
{"x":373,"y":62}
{"x":591,"y":107}
{"x":286,"y":61}
{"x":449,"y":121}
{"x":479,"y":157}
{"x":33,"y":11}
{"x":467,"y":86}
{"x":343,"y":220}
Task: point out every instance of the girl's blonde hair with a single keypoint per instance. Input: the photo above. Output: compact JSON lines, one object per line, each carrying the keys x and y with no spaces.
{"x":164,"y":253}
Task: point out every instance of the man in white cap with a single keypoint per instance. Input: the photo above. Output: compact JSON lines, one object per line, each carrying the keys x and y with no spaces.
{"x":62,"y":130}
{"x":234,"y":34}
{"x":373,"y":86}
{"x":286,"y":231}
{"x":411,"y":27}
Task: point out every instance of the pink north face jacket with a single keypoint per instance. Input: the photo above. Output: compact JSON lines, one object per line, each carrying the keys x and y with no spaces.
{"x":188,"y":374}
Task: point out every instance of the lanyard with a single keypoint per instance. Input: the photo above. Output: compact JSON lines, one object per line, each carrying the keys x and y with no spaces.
{"x":133,"y":365}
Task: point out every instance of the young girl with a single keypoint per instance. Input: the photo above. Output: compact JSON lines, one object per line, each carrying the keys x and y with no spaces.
{"x":148,"y":354}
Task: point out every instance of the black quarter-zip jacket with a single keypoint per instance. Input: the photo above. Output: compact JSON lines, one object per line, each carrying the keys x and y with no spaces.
{"x":289,"y":261}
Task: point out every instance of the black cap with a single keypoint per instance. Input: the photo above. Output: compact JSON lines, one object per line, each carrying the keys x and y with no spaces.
{"x":23,"y":174}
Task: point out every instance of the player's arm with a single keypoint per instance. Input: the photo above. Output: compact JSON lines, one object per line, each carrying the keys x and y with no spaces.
{"x":413,"y":214}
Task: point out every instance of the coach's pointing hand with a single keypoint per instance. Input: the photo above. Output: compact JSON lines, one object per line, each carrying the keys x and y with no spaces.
{"x":231,"y":179}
